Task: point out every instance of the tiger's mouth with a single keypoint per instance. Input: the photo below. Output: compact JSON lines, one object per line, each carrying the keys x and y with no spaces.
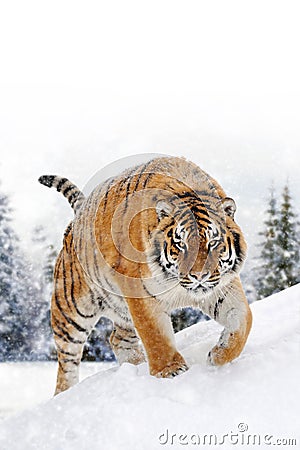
{"x":199,"y":290}
{"x":204,"y":285}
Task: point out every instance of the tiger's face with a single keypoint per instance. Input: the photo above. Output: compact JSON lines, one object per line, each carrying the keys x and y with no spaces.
{"x":197,"y":245}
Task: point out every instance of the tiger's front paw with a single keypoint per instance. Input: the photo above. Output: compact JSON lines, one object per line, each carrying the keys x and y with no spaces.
{"x":215,"y":357}
{"x":175,"y":367}
{"x":228,"y":348}
{"x":172,"y":371}
{"x":218,"y":356}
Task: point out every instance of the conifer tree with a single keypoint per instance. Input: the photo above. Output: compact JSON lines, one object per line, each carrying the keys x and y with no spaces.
{"x":6,"y":270}
{"x":48,"y":268}
{"x":278,"y":263}
{"x":287,"y":243}
{"x":17,"y":293}
{"x":45,"y":256}
{"x":266,"y":271}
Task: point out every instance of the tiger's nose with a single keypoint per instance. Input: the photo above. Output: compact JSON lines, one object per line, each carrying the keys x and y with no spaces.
{"x":201,"y":276}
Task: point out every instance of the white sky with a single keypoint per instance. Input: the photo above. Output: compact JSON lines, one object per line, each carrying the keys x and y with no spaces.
{"x":85,"y":83}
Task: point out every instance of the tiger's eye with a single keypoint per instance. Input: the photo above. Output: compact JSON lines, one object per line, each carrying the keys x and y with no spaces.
{"x":214,"y":243}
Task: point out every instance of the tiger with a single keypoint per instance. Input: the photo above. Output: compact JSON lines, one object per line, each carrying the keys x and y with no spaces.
{"x":157,"y":237}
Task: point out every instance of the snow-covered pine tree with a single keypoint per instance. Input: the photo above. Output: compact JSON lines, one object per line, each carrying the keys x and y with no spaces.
{"x":287,"y":243}
{"x":44,"y":254}
{"x":48,"y":268}
{"x":17,"y":293}
{"x":6,"y":270}
{"x":23,"y":298}
{"x":266,"y":271}
{"x":48,"y":273}
{"x":278,"y":264}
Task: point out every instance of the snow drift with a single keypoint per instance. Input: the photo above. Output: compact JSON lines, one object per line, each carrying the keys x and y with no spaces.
{"x":254,"y":399}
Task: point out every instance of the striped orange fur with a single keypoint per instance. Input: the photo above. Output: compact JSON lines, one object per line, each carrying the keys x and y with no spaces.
{"x":159,"y":236}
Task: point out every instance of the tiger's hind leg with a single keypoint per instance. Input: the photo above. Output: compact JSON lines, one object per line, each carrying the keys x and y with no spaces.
{"x":233,"y":312}
{"x":74,"y":312}
{"x":126,"y":345}
{"x":70,"y":334}
{"x":69,"y":352}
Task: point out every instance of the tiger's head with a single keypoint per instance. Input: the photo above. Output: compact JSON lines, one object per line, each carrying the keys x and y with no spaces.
{"x":197,"y":244}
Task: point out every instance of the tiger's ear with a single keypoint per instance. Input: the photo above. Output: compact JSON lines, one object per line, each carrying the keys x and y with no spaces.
{"x":229,"y":206}
{"x":163,"y":209}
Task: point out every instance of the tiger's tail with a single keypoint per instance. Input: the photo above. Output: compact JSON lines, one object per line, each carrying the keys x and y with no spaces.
{"x":69,"y":190}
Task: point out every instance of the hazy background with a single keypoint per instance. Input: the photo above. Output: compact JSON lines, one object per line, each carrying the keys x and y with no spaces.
{"x":85,"y":83}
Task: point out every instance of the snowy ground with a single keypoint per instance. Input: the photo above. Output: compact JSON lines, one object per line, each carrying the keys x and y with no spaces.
{"x":255,"y":398}
{"x":24,"y":385}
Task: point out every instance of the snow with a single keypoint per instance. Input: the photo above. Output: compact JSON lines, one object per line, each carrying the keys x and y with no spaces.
{"x":25,"y":384}
{"x":125,"y":408}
